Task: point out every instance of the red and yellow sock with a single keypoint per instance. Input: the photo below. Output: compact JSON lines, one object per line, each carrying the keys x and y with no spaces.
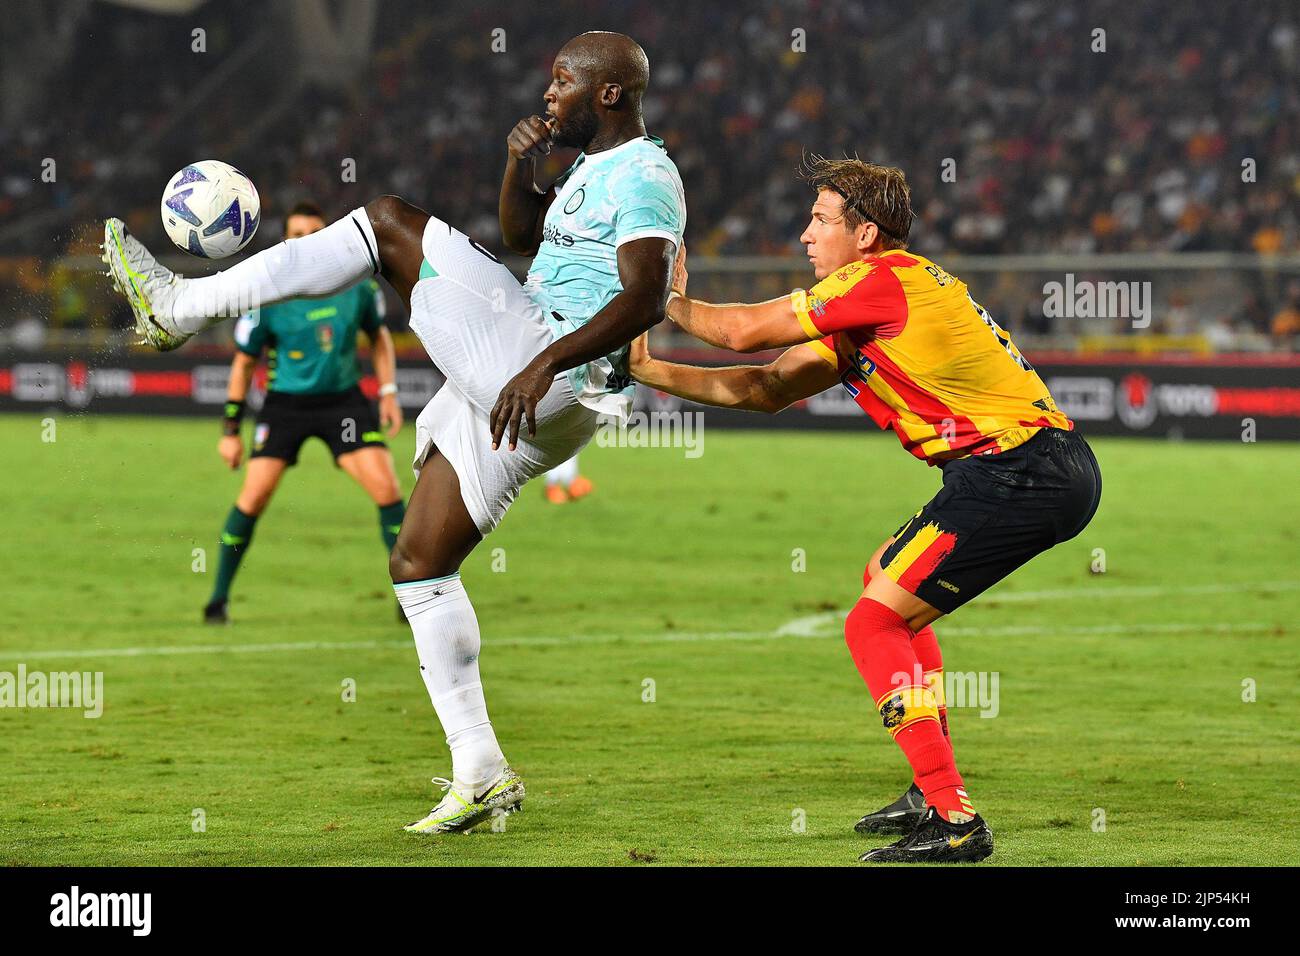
{"x":926,"y":646}
{"x":930,"y":657}
{"x":882,"y":647}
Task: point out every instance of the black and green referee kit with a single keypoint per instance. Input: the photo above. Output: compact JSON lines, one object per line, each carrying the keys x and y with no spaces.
{"x":312,"y":392}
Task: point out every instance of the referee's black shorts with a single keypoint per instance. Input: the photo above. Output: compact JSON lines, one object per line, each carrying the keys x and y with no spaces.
{"x":346,"y":421}
{"x":992,"y":515}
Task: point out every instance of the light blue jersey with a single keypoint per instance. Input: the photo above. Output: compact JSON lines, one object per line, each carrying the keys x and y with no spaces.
{"x":632,"y":191}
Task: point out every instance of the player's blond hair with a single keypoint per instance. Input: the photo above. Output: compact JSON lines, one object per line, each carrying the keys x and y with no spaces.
{"x":871,"y":193}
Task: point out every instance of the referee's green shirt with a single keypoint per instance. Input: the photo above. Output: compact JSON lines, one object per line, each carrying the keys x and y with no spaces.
{"x":311,"y":344}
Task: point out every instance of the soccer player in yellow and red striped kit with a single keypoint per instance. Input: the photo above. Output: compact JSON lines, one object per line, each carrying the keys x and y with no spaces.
{"x":922,"y":358}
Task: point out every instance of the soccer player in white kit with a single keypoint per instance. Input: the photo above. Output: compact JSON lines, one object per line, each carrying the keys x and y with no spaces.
{"x":528,"y":367}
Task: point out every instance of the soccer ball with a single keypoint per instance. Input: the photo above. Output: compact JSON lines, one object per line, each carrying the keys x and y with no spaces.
{"x":210,"y":209}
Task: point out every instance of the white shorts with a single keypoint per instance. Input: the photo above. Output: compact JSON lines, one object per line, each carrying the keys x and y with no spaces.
{"x":481,"y":330}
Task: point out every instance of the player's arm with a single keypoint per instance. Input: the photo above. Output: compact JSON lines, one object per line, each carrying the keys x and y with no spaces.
{"x":383,"y":355}
{"x":522,"y":206}
{"x":739,"y":326}
{"x":856,"y":298}
{"x":645,"y":268}
{"x":797,"y":373}
{"x":231,"y":446}
{"x":735,"y":326}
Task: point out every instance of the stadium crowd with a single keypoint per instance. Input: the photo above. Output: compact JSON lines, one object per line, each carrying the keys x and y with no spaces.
{"x":1022,"y":129}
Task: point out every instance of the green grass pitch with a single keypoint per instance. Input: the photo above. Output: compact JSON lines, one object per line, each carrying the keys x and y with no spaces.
{"x":1118,"y":693}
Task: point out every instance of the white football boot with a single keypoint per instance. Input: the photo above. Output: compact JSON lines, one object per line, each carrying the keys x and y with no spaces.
{"x":462,"y":809}
{"x":146,"y":284}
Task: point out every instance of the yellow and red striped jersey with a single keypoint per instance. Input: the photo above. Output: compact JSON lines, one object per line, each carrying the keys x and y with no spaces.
{"x":920,"y":356}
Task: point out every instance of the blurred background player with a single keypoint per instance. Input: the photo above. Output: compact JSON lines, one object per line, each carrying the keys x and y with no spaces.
{"x":564,"y":483}
{"x":312,"y":391}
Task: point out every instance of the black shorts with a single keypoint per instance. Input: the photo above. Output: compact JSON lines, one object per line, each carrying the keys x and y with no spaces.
{"x":346,"y":421}
{"x":992,"y":515}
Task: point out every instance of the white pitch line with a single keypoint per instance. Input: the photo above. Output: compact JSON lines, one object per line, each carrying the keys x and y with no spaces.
{"x":534,"y":639}
{"x":1159,"y":627}
{"x":815,"y":624}
{"x":808,"y":627}
{"x":1162,"y":627}
{"x":179,"y":649}
{"x":1139,"y":590}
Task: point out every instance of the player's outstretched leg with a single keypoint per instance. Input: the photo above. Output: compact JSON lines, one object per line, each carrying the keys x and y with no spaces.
{"x":437,"y":535}
{"x":170,"y":308}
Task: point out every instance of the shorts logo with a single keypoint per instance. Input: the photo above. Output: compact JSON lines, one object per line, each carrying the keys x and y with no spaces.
{"x":944,"y":584}
{"x":574,"y":202}
{"x":260,"y":434}
{"x":892,"y":711}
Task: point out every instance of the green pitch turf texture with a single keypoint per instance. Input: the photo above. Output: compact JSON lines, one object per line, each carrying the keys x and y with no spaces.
{"x":1118,"y":693}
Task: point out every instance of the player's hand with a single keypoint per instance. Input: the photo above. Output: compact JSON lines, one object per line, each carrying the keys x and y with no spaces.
{"x":678,"y":284}
{"x":390,"y":414}
{"x":518,"y":401}
{"x":530,"y":138}
{"x":231,"y":450}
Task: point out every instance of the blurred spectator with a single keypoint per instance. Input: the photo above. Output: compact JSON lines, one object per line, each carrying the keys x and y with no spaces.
{"x":1222,"y":335}
{"x":1286,"y":324}
{"x":1252,"y":316}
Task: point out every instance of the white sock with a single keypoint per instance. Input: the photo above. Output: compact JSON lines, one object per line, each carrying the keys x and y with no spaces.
{"x":563,"y":474}
{"x":329,"y":261}
{"x":447,"y":641}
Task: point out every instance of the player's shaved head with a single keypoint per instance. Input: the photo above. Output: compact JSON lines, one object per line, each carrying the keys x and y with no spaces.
{"x":595,"y":93}
{"x":600,"y":57}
